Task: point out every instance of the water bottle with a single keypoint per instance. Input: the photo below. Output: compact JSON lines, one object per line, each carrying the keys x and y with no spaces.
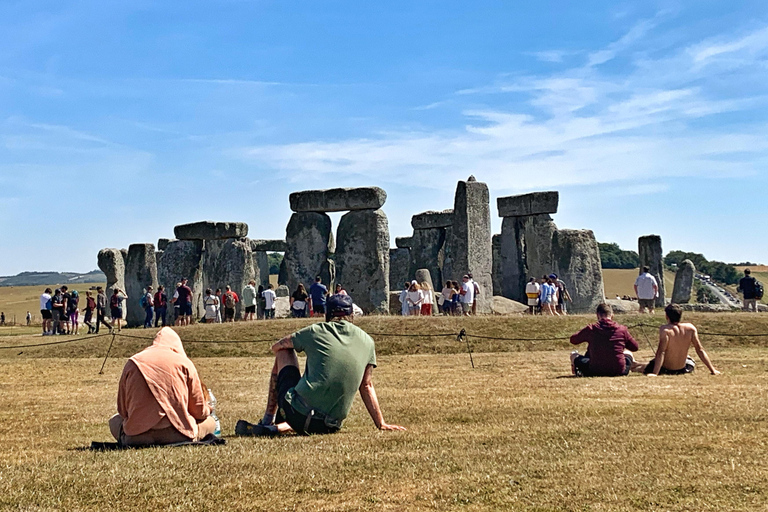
{"x":212,"y":403}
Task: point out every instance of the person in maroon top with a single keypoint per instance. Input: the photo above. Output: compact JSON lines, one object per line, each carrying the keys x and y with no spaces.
{"x":185,"y":301}
{"x":609,"y":346}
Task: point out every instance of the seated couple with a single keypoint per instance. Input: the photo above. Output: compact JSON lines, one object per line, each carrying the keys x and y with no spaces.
{"x":610,"y":347}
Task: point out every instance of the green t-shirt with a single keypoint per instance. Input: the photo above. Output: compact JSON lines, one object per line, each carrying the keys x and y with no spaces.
{"x":337,"y":356}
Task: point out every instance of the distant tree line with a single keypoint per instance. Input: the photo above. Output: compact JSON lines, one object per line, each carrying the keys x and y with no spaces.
{"x":717,"y":270}
{"x":612,"y":256}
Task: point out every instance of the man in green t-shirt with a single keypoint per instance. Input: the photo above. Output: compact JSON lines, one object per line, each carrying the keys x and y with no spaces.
{"x":340,"y":362}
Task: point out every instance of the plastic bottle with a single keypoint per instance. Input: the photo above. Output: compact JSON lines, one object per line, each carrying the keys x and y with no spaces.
{"x":212,"y":403}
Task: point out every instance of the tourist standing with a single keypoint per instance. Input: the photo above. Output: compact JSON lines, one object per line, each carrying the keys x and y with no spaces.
{"x":317,"y":294}
{"x":66,"y":296}
{"x":101,"y":309}
{"x":211,"y":305}
{"x":269,"y":302}
{"x":562,"y":294}
{"x":404,"y":309}
{"x":220,"y":297}
{"x":415,"y":298}
{"x":230,"y":302}
{"x":532,"y":290}
{"x":57,"y":311}
{"x":261,"y":303}
{"x":456,"y":299}
{"x":90,"y":305}
{"x":45,"y":311}
{"x":161,"y":305}
{"x":249,"y":301}
{"x":116,"y":306}
{"x":646,"y":290}
{"x":299,"y":302}
{"x":748,"y":287}
{"x":176,"y":320}
{"x":467,"y":295}
{"x":29,"y":318}
{"x":2,"y":318}
{"x":446,"y":296}
{"x":184,"y":300}
{"x":476,"y":288}
{"x":429,"y":299}
{"x":73,"y":311}
{"x":547,"y":297}
{"x":148,"y":300}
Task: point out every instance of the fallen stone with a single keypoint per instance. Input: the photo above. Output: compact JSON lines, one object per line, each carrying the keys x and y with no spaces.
{"x":404,"y":242}
{"x":623,"y":307}
{"x":338,"y":199}
{"x":468,"y":250}
{"x":208,"y":230}
{"x":162,"y":243}
{"x":649,"y":249}
{"x":535,"y":203}
{"x":140,"y":272}
{"x":681,"y":293}
{"x":708,"y":308}
{"x":504,"y":306}
{"x":576,"y":257}
{"x":268,"y":245}
{"x":112,"y":263}
{"x":399,"y":267}
{"x":282,"y":291}
{"x":182,"y":258}
{"x":309,"y":244}
{"x":362,"y":259}
{"x":228,"y":262}
{"x":432,"y":219}
{"x":427,"y":252}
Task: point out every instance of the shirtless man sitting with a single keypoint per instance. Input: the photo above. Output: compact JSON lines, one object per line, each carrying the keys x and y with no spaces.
{"x":675,"y":339}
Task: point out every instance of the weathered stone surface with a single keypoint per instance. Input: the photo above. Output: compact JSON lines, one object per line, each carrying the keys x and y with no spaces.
{"x":526,"y":251}
{"x":649,"y":249}
{"x":261,"y":260}
{"x":399,"y":267}
{"x":112,"y":263}
{"x":309,"y":243}
{"x":507,"y":307}
{"x":140,"y":272}
{"x":404,"y":242}
{"x":395,"y":308}
{"x":621,"y":306}
{"x":496,"y":272}
{"x":182,"y":258}
{"x":422,"y":275}
{"x":427,"y":252}
{"x":283,"y":307}
{"x":535,"y":203}
{"x":338,"y":199}
{"x":362,"y":258}
{"x":470,"y":241}
{"x":124,"y":252}
{"x":208,"y":230}
{"x":162,"y":243}
{"x":282,"y":291}
{"x":576,"y":258}
{"x":268,"y":245}
{"x":228,"y":262}
{"x":681,"y":293}
{"x":432,"y":219}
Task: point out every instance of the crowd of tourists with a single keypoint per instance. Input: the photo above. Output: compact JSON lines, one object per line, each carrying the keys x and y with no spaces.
{"x":548,"y":296}
{"x":419,"y":299}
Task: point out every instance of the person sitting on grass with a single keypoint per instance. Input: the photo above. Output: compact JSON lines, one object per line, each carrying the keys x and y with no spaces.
{"x":160,"y":399}
{"x":340,"y":362}
{"x":609,"y":347}
{"x":675,"y":338}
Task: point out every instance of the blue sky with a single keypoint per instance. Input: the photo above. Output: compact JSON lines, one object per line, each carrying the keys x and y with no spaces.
{"x":120,"y":120}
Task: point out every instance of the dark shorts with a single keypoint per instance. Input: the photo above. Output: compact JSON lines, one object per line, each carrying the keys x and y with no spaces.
{"x":582,"y":367}
{"x":690,"y":365}
{"x":46,"y":314}
{"x":288,"y":378}
{"x":318,"y":308}
{"x":229,"y":312}
{"x":250,"y":309}
{"x":647,"y":303}
{"x":116,"y":313}
{"x":185,"y":309}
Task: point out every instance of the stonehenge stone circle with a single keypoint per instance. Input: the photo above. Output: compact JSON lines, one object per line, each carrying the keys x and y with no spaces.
{"x":422,"y":275}
{"x":427,"y":251}
{"x":268,"y":245}
{"x":649,"y":249}
{"x":228,"y":262}
{"x":140,"y":272}
{"x":576,"y":256}
{"x":338,"y":199}
{"x":399,"y":267}
{"x":469,"y":244}
{"x":282,"y":291}
{"x":207,"y":230}
{"x":182,"y":258}
{"x":431,"y":219}
{"x":535,"y":203}
{"x":309,"y":243}
{"x":112,"y":263}
{"x":404,"y":242}
{"x":362,"y":258}
{"x":681,"y":293}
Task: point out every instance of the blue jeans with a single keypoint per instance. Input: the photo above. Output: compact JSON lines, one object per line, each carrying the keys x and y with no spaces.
{"x":269,"y":313}
{"x":150,"y":315}
{"x":160,"y":313}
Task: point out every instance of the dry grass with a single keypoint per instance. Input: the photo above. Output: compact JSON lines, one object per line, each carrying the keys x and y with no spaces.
{"x":621,"y":281}
{"x":511,"y":434}
{"x":15,"y":301}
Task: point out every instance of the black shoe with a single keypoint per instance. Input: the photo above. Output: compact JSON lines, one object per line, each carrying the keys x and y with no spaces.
{"x":243,"y":428}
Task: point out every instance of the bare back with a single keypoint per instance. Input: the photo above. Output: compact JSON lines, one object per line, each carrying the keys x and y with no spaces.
{"x":675,"y":340}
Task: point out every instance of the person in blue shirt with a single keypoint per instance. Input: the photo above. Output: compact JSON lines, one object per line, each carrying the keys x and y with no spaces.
{"x":317,"y":295}
{"x":548,"y":297}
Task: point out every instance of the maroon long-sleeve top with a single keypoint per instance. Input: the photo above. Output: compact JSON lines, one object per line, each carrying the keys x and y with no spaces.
{"x":607,"y":341}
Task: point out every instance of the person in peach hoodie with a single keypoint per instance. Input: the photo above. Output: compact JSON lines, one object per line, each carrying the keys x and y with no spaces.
{"x":160,"y":399}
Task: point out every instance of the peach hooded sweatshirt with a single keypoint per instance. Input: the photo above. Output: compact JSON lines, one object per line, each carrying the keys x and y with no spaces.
{"x":160,"y":384}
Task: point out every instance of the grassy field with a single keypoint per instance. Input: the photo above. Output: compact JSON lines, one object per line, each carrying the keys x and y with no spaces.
{"x":15,"y":301}
{"x":515,"y":433}
{"x":621,"y":282}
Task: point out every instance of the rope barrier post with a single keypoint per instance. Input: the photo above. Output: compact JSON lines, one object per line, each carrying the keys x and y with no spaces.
{"x":101,"y":372}
{"x":463,"y":337}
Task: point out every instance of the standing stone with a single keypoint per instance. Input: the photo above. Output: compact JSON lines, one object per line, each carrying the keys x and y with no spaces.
{"x":422,"y":275}
{"x":399,"y":267}
{"x":162,"y":243}
{"x":228,"y":262}
{"x":681,"y":293}
{"x":208,"y":230}
{"x":362,"y":259}
{"x":309,"y":244}
{"x":182,"y":258}
{"x":338,"y":199}
{"x":427,"y":251}
{"x":470,"y":241}
{"x":576,"y":259}
{"x":140,"y":272}
{"x":496,"y":273}
{"x":282,"y":291}
{"x":112,"y":263}
{"x":649,"y":249}
{"x":526,"y":251}
{"x":262,"y":262}
{"x":404,"y":242}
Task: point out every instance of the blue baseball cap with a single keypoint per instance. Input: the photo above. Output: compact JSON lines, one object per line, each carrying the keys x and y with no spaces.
{"x":339,"y":305}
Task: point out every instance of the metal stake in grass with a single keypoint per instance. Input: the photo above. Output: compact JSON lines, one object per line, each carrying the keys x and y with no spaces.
{"x":101,"y":372}
{"x":463,"y":337}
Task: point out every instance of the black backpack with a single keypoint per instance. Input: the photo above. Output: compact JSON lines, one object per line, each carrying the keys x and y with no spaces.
{"x":758,"y":290}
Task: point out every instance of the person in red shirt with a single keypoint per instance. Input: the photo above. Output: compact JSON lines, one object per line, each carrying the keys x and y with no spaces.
{"x":609,"y":347}
{"x":230,"y":300}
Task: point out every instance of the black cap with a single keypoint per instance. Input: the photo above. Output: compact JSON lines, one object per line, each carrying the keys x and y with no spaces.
{"x":339,"y":305}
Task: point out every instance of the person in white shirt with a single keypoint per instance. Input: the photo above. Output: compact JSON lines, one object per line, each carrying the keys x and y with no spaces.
{"x":467,"y":295}
{"x":270,"y":299}
{"x":404,"y":310}
{"x":45,"y":311}
{"x":415,"y":298}
{"x":211,"y":303}
{"x":429,"y":299}
{"x":476,"y":294}
{"x":646,"y":290}
{"x":532,"y":293}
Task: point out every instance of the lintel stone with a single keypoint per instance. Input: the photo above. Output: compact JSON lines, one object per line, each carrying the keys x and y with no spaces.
{"x":338,"y":199}
{"x":209,"y":230}
{"x":404,"y":242}
{"x":432,"y":219}
{"x":535,"y":203}
{"x":268,"y":245}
